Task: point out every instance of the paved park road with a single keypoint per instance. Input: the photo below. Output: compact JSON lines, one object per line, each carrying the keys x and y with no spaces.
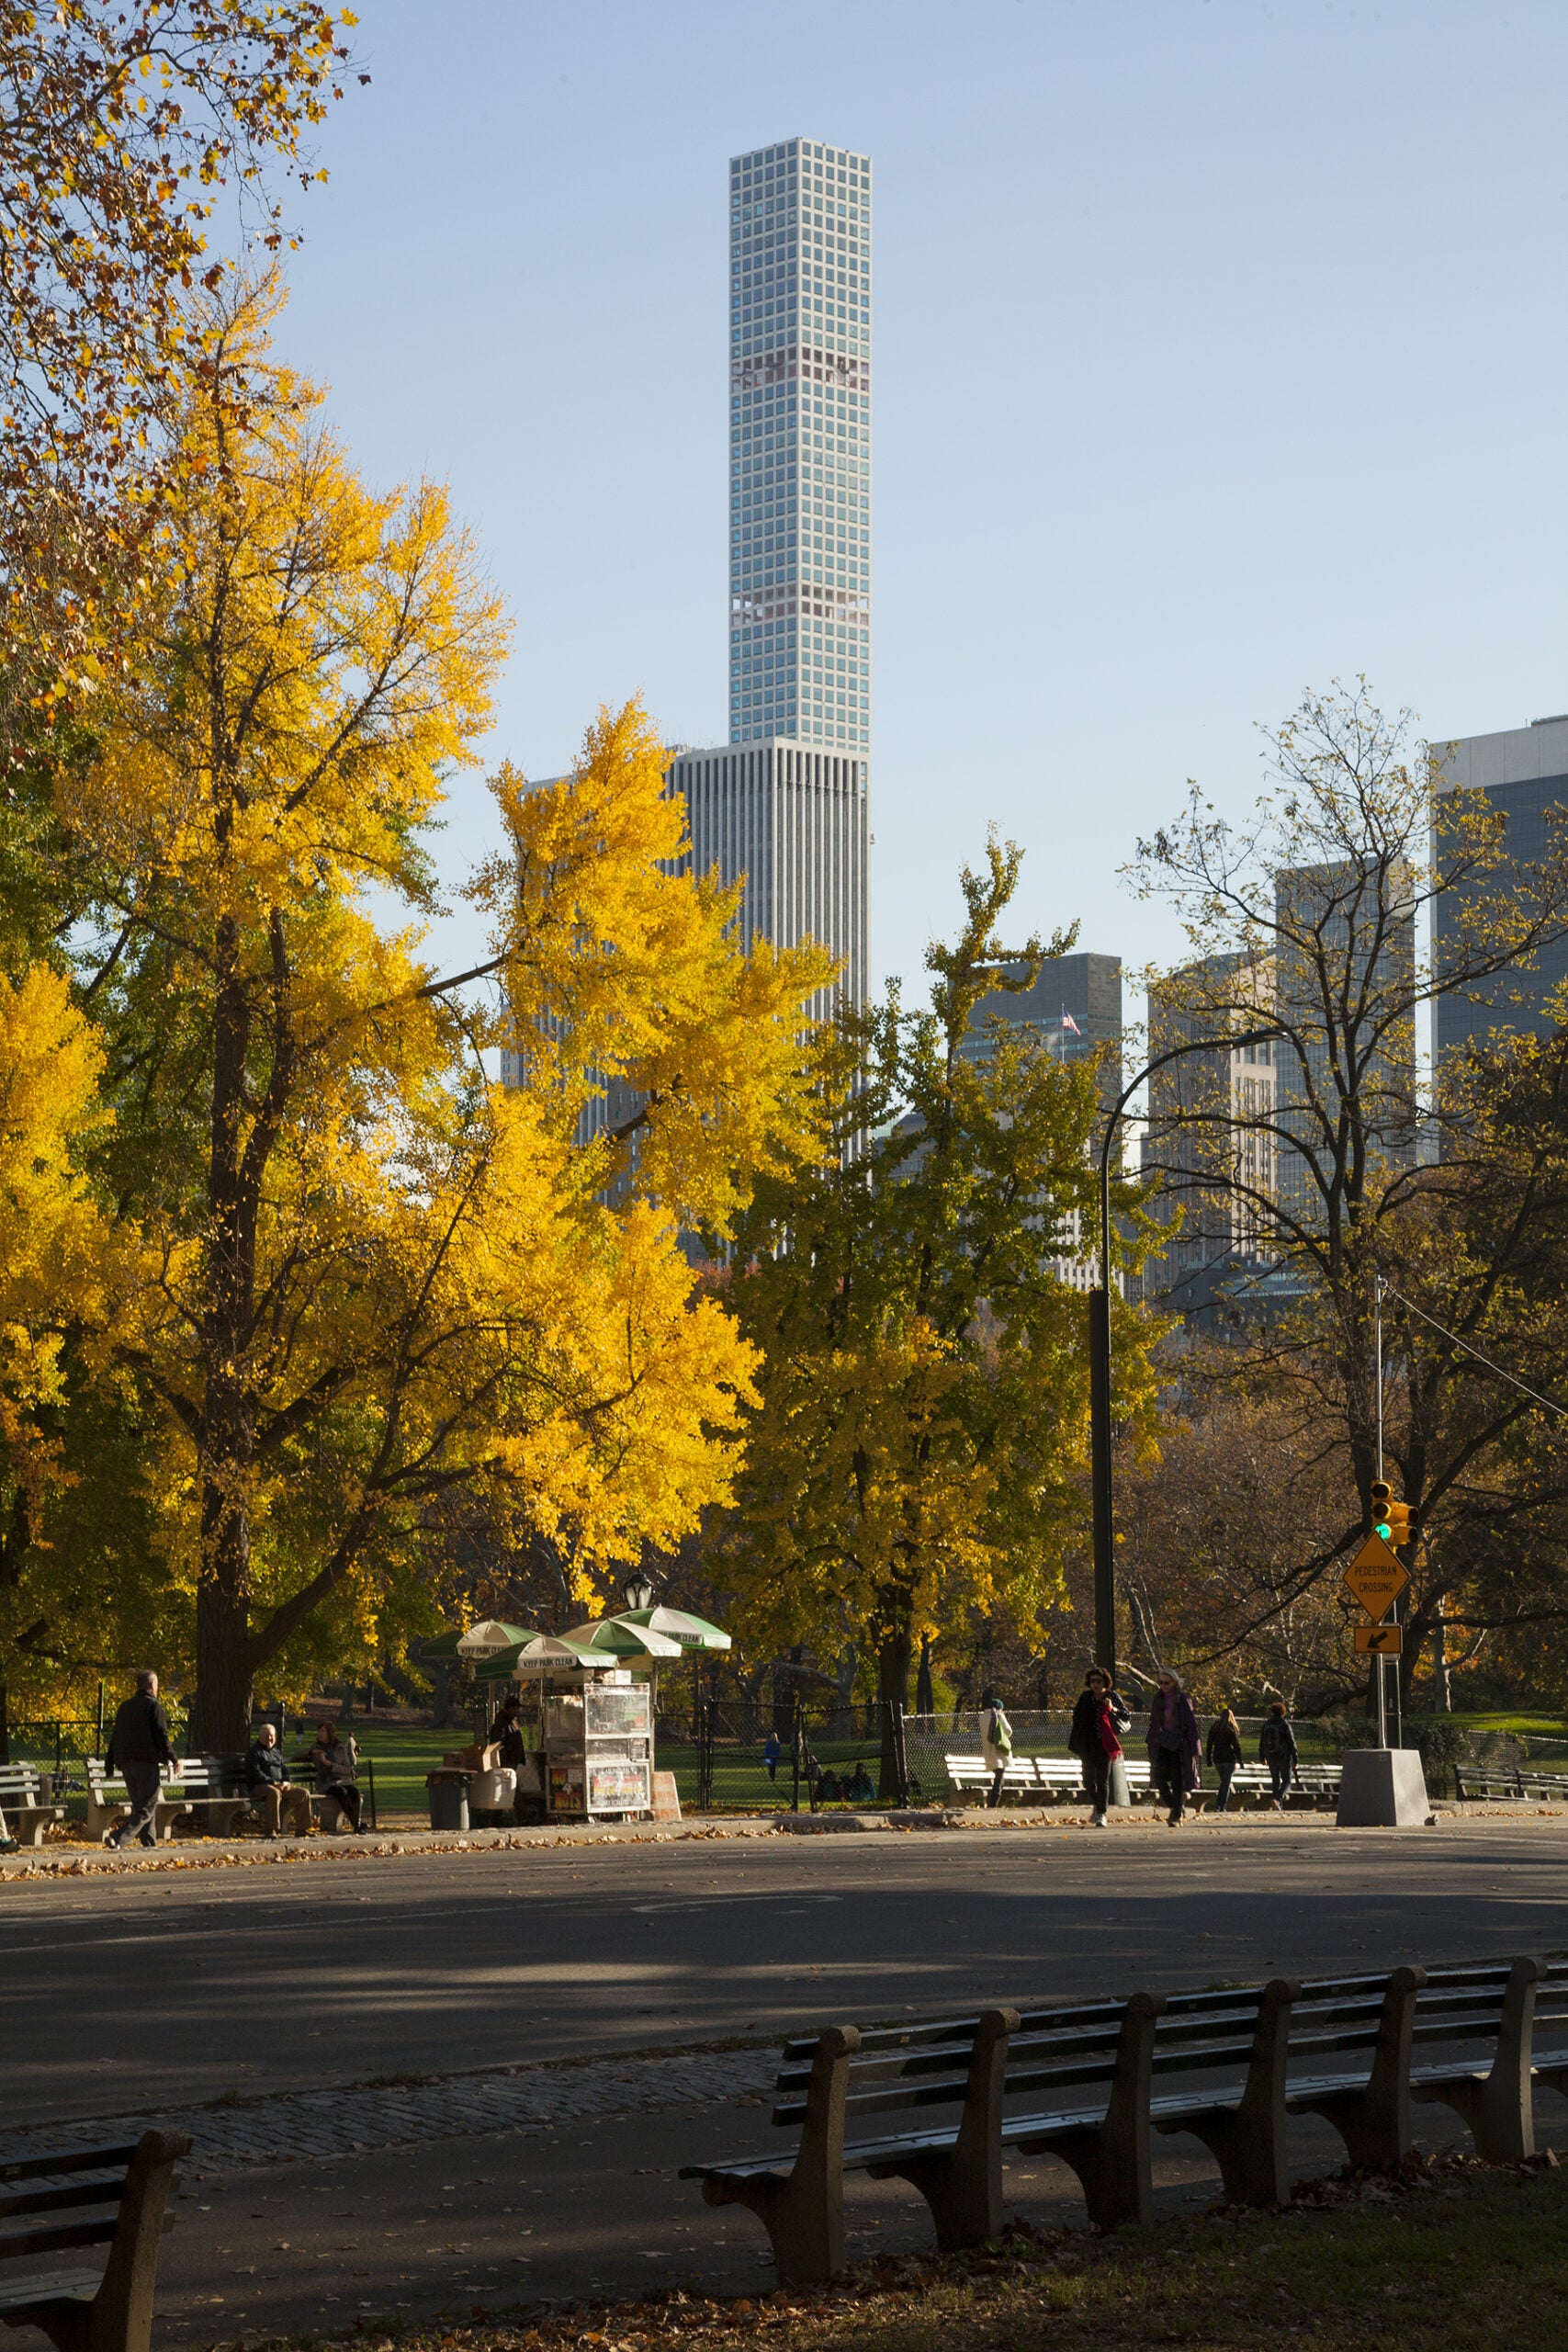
{"x":126,"y":1991}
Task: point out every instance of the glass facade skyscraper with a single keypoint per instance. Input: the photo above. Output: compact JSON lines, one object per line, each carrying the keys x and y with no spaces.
{"x":800,"y":446}
{"x":1524,"y":772}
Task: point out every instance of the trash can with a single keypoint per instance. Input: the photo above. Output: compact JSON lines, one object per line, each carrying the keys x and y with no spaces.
{"x":1119,"y":1793}
{"x":448,"y":1800}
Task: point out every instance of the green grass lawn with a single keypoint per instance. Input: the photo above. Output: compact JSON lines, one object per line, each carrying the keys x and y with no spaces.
{"x":1457,"y":2259}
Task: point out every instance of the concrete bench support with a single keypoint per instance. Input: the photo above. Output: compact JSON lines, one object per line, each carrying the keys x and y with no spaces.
{"x":962,"y":2185}
{"x":1246,"y":2137}
{"x":1374,"y":2119}
{"x":1497,"y":2105}
{"x":1113,"y":2158}
{"x":803,"y":2210}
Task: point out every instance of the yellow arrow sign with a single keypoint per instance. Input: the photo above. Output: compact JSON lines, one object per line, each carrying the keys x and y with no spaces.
{"x":1379,"y":1641}
{"x":1376,"y":1577}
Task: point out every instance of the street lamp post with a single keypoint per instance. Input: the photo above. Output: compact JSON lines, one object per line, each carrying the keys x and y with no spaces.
{"x":638,"y":1591}
{"x":1100,"y":1351}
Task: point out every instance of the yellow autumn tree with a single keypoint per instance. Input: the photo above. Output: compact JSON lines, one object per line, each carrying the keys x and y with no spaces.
{"x":63,"y":1265}
{"x":378,"y":1276}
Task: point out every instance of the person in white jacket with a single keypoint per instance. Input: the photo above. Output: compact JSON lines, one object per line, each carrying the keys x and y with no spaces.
{"x":996,"y":1743}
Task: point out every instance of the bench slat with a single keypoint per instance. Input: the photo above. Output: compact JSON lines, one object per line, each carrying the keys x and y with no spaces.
{"x":53,"y":2287}
{"x":53,"y":2237}
{"x":68,"y":2160}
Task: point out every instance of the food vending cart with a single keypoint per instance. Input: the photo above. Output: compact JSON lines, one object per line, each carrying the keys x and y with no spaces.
{"x":598,"y":1747}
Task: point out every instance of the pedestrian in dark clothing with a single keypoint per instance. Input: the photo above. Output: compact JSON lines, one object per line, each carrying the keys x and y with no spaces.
{"x":996,"y":1743}
{"x":773,"y":1748}
{"x":1099,"y":1720}
{"x":1277,"y":1748}
{"x":1173,"y":1744}
{"x":335,"y":1762}
{"x":273,"y":1793}
{"x":1223,"y":1751}
{"x":139,"y":1748}
{"x":506,"y":1733}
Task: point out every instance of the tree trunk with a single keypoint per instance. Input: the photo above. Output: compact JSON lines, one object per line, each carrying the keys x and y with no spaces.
{"x":893,"y":1689}
{"x":925,"y":1695}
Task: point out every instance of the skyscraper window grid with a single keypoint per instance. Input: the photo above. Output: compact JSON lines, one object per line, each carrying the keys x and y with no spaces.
{"x":800,"y":446}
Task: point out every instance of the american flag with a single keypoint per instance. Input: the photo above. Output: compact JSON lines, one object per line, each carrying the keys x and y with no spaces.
{"x":1068,"y":1022}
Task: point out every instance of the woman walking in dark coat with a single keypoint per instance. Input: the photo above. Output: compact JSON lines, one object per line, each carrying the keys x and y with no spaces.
{"x":1099,"y":1719}
{"x":1223,"y":1751}
{"x":1173,"y":1744}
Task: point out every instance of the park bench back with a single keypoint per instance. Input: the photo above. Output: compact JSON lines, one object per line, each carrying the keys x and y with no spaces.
{"x":63,"y":2198}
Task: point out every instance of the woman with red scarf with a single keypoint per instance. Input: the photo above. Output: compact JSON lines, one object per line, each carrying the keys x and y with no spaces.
{"x":1173,"y":1743}
{"x":1099,"y":1719}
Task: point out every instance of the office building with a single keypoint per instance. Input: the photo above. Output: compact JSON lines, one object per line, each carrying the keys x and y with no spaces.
{"x":1073,"y":1008}
{"x":1209,"y":1138}
{"x":1524,"y":772}
{"x":793,"y":820}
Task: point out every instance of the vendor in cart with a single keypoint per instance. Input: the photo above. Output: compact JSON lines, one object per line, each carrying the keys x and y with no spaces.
{"x":506,"y":1731}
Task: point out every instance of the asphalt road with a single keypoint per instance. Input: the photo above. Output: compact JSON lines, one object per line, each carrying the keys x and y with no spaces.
{"x":126,"y":1991}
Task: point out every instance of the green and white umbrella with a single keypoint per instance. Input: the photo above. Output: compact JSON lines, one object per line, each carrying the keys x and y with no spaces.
{"x":489,"y":1638}
{"x":677,"y":1625}
{"x":622,"y":1638}
{"x":539,"y":1654}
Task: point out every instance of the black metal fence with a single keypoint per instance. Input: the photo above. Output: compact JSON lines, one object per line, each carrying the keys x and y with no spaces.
{"x":798,"y":1755}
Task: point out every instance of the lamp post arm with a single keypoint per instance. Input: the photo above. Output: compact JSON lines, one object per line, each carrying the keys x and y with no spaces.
{"x":1172,"y":1053}
{"x":1105,"y":1529}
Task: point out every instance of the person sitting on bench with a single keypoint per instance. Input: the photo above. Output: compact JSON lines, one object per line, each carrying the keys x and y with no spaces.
{"x":272,"y":1790}
{"x":335,"y":1760}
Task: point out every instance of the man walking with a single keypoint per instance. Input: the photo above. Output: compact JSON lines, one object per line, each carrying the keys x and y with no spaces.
{"x":138,"y":1747}
{"x":273,"y":1793}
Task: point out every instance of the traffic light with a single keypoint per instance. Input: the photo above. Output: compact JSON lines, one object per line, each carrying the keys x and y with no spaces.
{"x":1382,"y":1496}
{"x":1398,"y":1523}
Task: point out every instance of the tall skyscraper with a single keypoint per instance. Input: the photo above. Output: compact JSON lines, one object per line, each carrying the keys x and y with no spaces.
{"x":800,"y":446}
{"x":1524,"y":772}
{"x":786,"y":801}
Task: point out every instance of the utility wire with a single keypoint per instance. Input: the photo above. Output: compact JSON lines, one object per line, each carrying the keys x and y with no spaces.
{"x":1534,"y":1393}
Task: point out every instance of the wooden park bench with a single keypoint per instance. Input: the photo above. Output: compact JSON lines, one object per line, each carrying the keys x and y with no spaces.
{"x":1110,"y":2050}
{"x":27,"y":1817}
{"x":64,"y":2198}
{"x":1046,"y":1777}
{"x":193,"y":1792}
{"x":1510,"y":1782}
{"x":1078,"y":2083}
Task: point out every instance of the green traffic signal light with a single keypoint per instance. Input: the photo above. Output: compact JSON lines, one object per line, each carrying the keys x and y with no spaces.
{"x":1383,"y":1529}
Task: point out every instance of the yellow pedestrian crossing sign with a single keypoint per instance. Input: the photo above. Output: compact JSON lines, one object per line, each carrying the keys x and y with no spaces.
{"x":1377,"y":1576}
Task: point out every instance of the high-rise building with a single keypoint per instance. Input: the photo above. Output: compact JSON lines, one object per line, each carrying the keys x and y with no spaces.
{"x":785,"y":802}
{"x":1209,"y":1138}
{"x":800,"y":446}
{"x":793,"y":820}
{"x":1524,"y":772}
{"x":1073,"y":1009}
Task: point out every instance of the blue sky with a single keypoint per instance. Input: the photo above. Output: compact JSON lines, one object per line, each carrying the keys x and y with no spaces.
{"x":1219,"y":351}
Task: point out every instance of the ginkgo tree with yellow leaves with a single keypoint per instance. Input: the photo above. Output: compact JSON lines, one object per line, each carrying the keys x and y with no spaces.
{"x":368,"y":1274}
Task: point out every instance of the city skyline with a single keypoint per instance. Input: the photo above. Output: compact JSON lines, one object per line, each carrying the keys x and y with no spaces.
{"x":1125,"y":492}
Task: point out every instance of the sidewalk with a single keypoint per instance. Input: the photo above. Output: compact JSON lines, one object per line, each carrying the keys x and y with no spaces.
{"x":77,"y":1858}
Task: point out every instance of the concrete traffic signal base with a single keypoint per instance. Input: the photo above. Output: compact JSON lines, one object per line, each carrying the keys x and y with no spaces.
{"x":1382,"y":1787}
